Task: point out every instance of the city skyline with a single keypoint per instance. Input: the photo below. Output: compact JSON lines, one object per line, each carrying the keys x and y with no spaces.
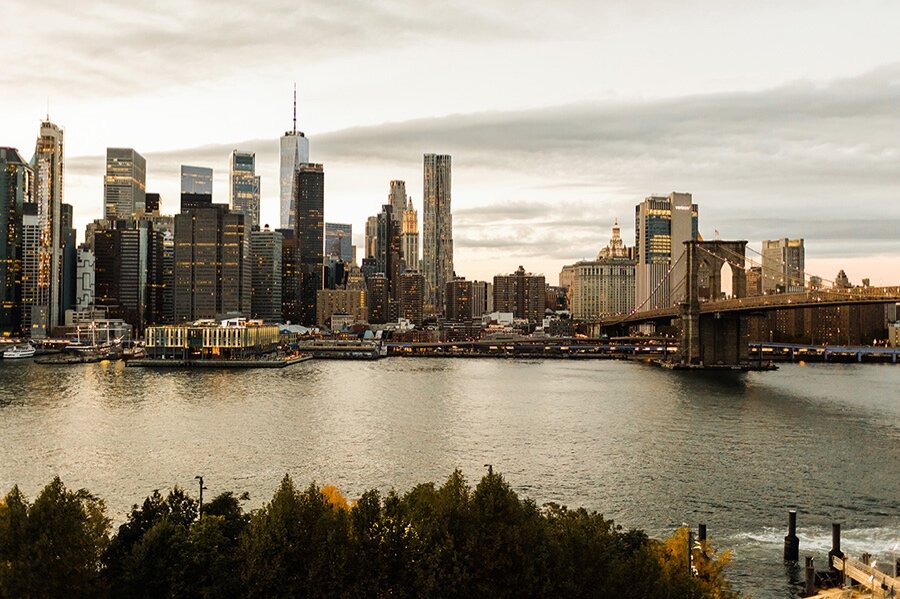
{"x":787,"y":136}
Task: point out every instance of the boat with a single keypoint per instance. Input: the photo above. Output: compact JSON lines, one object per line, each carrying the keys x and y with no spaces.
{"x":19,"y":351}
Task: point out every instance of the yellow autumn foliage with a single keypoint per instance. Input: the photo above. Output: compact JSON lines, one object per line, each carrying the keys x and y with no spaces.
{"x":334,"y":496}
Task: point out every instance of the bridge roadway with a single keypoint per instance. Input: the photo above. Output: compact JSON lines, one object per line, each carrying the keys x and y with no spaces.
{"x":765,"y":303}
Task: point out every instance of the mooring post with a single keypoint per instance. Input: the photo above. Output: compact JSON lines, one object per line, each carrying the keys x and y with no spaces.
{"x":701,"y":532}
{"x":791,"y":542}
{"x":810,"y":577}
{"x":835,"y":547}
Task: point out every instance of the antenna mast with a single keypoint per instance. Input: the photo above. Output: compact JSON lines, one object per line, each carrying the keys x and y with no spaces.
{"x":295,"y":108}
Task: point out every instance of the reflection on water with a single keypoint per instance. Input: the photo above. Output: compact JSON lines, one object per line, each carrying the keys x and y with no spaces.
{"x":648,"y":447}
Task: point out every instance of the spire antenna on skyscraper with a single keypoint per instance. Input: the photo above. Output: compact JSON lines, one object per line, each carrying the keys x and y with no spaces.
{"x":295,"y":108}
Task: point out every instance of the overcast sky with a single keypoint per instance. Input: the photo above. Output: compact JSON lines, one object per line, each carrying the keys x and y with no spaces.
{"x":782,"y":118}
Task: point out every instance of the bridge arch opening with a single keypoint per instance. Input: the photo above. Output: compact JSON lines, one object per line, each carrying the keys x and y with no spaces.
{"x":726,"y":276}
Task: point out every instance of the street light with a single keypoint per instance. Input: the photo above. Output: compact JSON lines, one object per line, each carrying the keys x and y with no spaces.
{"x":200,"y":509}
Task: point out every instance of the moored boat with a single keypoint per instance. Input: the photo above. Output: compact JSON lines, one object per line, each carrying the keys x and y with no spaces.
{"x":19,"y":351}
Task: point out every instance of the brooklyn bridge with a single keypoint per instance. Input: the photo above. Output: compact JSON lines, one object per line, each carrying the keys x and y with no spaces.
{"x":715,"y":326}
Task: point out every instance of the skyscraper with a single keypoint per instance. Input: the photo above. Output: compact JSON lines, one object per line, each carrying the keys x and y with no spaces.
{"x":662,"y":225}
{"x":120,"y":273}
{"x":125,"y":183}
{"x":48,"y":163}
{"x":397,"y":198}
{"x":16,"y":188}
{"x":309,"y":231}
{"x":387,"y":251}
{"x":212,"y":264}
{"x":437,"y":242}
{"x":412,"y":296}
{"x":294,"y":152}
{"x":196,"y":187}
{"x":783,"y":264}
{"x":35,"y":273}
{"x":265,"y":256}
{"x":68,"y":260}
{"x":371,"y":237}
{"x":245,"y":187}
{"x":409,"y":236}
{"x":605,"y":285}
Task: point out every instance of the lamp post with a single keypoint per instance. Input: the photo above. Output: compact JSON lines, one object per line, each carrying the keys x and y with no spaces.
{"x":200,"y":508}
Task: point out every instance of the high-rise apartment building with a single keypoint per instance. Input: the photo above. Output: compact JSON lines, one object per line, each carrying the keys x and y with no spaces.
{"x":125,"y":183}
{"x":783,"y":266}
{"x":378,"y":293}
{"x":606,"y":285}
{"x":464,"y":300}
{"x":524,"y":294}
{"x":309,"y":231}
{"x":16,"y":189}
{"x":212,"y":265}
{"x":437,"y":239}
{"x":409,"y":236}
{"x":244,"y":196}
{"x":294,"y":152}
{"x":265,"y":256}
{"x":48,"y":165}
{"x":196,"y":187}
{"x":662,"y":225}
{"x":412,"y":297}
{"x":339,"y":241}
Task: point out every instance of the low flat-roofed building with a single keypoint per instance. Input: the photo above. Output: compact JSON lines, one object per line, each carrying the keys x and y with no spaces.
{"x":235,"y":339}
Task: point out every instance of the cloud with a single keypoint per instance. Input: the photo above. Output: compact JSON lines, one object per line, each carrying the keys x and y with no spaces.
{"x":109,"y":47}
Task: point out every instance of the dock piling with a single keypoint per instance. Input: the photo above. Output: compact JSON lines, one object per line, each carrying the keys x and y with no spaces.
{"x":810,"y":577}
{"x":835,"y":546}
{"x":701,"y":532}
{"x":791,"y":542}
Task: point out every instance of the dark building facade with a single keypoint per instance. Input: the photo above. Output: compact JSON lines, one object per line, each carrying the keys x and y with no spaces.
{"x":68,"y":260}
{"x":120,"y":274}
{"x":309,"y":231}
{"x":212,"y":266}
{"x":265,"y":256}
{"x":379,"y":298}
{"x":290,"y":276}
{"x":151,"y":202}
{"x":412,"y":297}
{"x":523,"y":294}
{"x":16,"y":189}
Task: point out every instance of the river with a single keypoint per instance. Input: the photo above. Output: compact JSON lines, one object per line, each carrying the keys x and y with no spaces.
{"x":645,"y":446}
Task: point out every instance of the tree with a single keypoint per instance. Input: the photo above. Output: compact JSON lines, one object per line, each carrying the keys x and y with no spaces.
{"x":54,"y":545}
{"x":134,"y":554}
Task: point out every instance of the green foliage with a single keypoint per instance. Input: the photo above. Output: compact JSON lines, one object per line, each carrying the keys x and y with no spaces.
{"x":450,"y":541}
{"x":52,"y":548}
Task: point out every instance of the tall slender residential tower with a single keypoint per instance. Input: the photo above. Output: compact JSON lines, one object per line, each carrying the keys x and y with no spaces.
{"x":245,"y":187}
{"x":48,"y":164}
{"x":125,"y":183}
{"x":437,"y":242}
{"x":294,"y":152}
{"x":661,"y":226}
{"x":16,"y":183}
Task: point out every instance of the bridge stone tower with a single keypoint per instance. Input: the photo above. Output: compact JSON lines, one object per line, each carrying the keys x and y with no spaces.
{"x":714,"y":338}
